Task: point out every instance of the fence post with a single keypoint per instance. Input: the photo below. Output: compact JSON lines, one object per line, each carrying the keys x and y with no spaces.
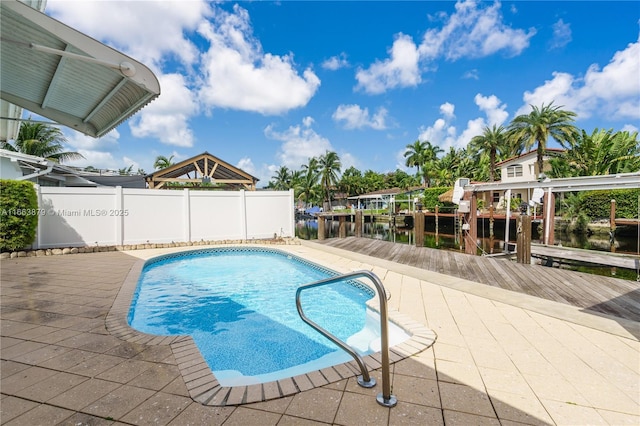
{"x":187,"y":215}
{"x":243,"y":215}
{"x":40,"y":217}
{"x":119,"y":217}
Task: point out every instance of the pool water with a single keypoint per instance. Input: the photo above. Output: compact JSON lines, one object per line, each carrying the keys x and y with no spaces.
{"x":239,"y":307}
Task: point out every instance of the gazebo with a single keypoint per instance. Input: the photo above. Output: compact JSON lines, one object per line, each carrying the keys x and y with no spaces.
{"x":203,"y":171}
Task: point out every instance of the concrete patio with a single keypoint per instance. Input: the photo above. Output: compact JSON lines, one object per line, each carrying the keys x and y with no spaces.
{"x":501,"y":358}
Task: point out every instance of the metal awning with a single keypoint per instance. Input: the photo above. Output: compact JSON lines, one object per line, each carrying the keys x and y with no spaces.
{"x":66,"y":76}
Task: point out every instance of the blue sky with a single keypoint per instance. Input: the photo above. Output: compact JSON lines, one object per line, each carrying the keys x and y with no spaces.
{"x":266,"y":84}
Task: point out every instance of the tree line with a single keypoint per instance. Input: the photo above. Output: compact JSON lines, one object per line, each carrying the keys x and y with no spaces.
{"x":601,"y":152}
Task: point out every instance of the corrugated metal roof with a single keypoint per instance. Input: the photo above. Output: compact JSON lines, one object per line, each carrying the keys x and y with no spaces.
{"x":89,"y":87}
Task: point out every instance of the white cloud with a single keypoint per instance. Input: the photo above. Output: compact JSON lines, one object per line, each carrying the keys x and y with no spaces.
{"x":612,"y":92}
{"x":629,"y":128}
{"x":561,"y":35}
{"x":400,"y":70}
{"x":473,"y":31}
{"x":167,"y":118}
{"x":444,"y":133}
{"x":299,"y":143}
{"x":471,"y":74}
{"x":447,"y":109}
{"x":78,"y":141}
{"x":336,"y":62}
{"x":354,"y":117}
{"x":239,"y":75}
{"x":493,"y":108}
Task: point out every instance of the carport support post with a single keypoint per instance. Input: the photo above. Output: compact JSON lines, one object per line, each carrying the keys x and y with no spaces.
{"x":358,"y":220}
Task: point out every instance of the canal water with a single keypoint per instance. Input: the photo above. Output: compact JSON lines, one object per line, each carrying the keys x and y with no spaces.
{"x":447,"y":237}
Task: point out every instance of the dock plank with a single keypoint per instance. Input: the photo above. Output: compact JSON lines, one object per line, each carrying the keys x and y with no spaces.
{"x":608,"y":295}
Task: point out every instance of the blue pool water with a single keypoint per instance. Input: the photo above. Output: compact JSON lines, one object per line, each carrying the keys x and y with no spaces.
{"x":239,"y":307}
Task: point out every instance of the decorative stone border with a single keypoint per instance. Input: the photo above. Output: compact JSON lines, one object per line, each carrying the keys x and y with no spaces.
{"x":202,"y":384}
{"x":129,"y":247}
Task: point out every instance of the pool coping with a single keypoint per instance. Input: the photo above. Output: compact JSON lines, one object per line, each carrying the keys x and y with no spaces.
{"x":202,"y":384}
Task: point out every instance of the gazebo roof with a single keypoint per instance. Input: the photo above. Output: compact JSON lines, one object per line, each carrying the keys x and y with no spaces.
{"x":204,"y":168}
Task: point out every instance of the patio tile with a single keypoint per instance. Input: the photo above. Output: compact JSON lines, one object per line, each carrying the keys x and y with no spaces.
{"x":12,"y":407}
{"x":416,"y":390}
{"x":51,"y":387}
{"x":161,"y":408}
{"x":273,"y":405}
{"x":19,"y":351}
{"x":316,"y":404}
{"x":465,"y":399}
{"x":9,"y":368}
{"x":356,"y":409}
{"x":156,"y":377}
{"x":84,"y":394}
{"x":95,"y":365}
{"x":81,"y":419}
{"x":25,"y":378}
{"x":246,"y":417}
{"x":566,"y":413}
{"x":197,"y":414}
{"x":555,"y":388}
{"x":176,"y":387}
{"x":41,"y":415}
{"x":465,"y":374}
{"x":519,"y":408}
{"x":456,"y":418}
{"x":125,"y":371}
{"x":506,"y":381}
{"x":118,"y":402}
{"x":297,"y":421}
{"x":407,"y":414}
{"x":616,"y":418}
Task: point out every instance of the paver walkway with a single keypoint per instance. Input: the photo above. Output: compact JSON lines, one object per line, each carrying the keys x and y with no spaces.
{"x":500,"y":358}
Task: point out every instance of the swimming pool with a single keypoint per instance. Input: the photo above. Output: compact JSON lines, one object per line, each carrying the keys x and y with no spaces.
{"x":238,"y":304}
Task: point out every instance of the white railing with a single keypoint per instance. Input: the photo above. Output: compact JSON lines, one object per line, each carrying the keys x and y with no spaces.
{"x":76,"y":217}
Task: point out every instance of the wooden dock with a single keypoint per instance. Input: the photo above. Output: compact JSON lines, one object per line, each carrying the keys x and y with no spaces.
{"x":611,"y":296}
{"x":586,"y":256}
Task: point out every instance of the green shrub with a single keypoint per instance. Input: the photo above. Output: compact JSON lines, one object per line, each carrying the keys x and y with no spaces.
{"x":18,"y":214}
{"x":597,"y":204}
{"x":430,"y":197}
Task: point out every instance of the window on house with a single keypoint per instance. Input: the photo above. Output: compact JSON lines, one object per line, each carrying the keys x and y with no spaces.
{"x":514,"y":171}
{"x":496,"y":197}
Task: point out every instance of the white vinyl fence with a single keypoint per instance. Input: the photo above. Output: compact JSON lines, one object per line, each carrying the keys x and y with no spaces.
{"x":76,"y":217}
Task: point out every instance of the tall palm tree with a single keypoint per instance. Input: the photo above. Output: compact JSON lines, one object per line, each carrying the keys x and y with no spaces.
{"x":539,"y":125}
{"x":491,"y":142}
{"x":414,"y":155}
{"x":430,"y":158}
{"x":163,"y":162}
{"x":602,"y":152}
{"x":282,"y":179}
{"x":41,"y":140}
{"x":329,"y":169}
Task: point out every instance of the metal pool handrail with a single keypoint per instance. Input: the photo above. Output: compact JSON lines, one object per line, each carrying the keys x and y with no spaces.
{"x":384,"y":398}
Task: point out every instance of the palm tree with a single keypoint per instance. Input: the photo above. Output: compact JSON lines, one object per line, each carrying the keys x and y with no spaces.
{"x":126,"y":171}
{"x":430,"y":157}
{"x":600,"y":153}
{"x":41,"y":140}
{"x":163,"y":162}
{"x":491,"y":142}
{"x":282,"y":179}
{"x":329,"y":169}
{"x":539,"y":125}
{"x":415,"y":155}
